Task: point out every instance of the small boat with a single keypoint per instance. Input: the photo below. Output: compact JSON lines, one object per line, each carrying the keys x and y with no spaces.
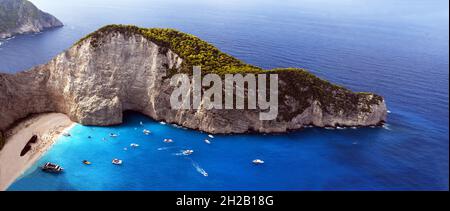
{"x":52,"y":168}
{"x":134,"y":145}
{"x":188,"y":152}
{"x":146,"y":132}
{"x":211,"y":136}
{"x":141,"y":123}
{"x":258,"y":161}
{"x":207,"y":141}
{"x":116,"y":161}
{"x":86,"y":162}
{"x":66,"y":134}
{"x":168,"y":140}
{"x":113,"y":135}
{"x":163,"y":123}
{"x":388,"y":111}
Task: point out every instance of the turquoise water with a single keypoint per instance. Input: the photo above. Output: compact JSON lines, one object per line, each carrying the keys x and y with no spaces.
{"x":398,"y":49}
{"x":310,"y":159}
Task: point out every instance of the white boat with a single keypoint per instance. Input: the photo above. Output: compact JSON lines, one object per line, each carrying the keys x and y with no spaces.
{"x":113,"y":135}
{"x":134,"y":145}
{"x":166,"y":140}
{"x":211,"y":136}
{"x":146,"y":132}
{"x":258,"y":161}
{"x":116,"y":161}
{"x":207,"y":141}
{"x":188,"y":152}
{"x":141,"y":123}
{"x":163,"y":123}
{"x":52,"y":168}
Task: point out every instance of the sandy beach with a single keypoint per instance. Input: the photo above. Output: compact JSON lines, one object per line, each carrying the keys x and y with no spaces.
{"x":48,"y":127}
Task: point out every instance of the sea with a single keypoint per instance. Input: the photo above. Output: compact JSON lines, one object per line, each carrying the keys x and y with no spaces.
{"x":396,"y":48}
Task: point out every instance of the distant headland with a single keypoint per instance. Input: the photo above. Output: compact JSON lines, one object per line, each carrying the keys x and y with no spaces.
{"x":22,"y":16}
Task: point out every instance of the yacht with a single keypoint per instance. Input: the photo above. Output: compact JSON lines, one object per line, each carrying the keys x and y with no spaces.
{"x":188,"y":152}
{"x":146,"y":132}
{"x":258,"y":161}
{"x":116,"y":161}
{"x":52,"y":168}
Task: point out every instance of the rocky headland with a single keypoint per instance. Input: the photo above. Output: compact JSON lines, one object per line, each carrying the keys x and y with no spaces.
{"x":119,"y":68}
{"x":22,"y":16}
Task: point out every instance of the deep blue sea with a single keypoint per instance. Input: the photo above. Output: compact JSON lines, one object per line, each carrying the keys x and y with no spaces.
{"x":397,"y":48}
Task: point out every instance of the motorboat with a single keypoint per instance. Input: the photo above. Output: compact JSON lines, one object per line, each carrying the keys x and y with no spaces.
{"x":211,"y":136}
{"x":86,"y":162}
{"x":113,"y":135}
{"x":116,"y":161}
{"x":207,"y":141}
{"x":146,"y":132}
{"x":168,"y":140}
{"x":134,"y":145}
{"x":188,"y":152}
{"x":258,"y":161}
{"x":52,"y":168}
{"x":163,"y":123}
{"x":66,"y":134}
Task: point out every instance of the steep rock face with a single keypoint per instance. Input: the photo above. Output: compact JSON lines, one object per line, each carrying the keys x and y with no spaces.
{"x":96,"y":80}
{"x":21,"y":16}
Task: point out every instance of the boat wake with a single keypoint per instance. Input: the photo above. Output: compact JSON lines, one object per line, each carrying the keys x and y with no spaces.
{"x":166,"y":148}
{"x":386,"y":126}
{"x":198,"y":168}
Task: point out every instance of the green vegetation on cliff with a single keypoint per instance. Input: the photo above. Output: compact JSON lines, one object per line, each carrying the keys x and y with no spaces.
{"x":194,"y":51}
{"x":300,"y":84}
